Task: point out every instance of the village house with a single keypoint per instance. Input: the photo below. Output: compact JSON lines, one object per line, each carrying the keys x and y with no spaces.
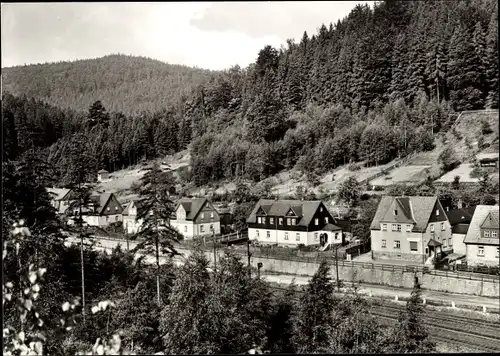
{"x":293,"y":222}
{"x":60,"y":199}
{"x":459,"y":220}
{"x":196,"y":217}
{"x":102,"y":210}
{"x":409,"y":228}
{"x":488,"y":159}
{"x":131,"y":224}
{"x":481,"y":241}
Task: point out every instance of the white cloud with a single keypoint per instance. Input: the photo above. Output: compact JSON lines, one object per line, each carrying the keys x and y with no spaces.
{"x":207,"y":35}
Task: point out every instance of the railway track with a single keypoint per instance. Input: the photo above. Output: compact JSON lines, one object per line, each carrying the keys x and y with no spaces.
{"x":471,"y":333}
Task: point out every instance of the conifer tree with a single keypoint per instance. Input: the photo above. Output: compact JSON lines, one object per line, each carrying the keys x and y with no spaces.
{"x":155,"y":211}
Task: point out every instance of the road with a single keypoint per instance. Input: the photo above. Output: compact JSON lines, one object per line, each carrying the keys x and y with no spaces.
{"x":367,"y":289}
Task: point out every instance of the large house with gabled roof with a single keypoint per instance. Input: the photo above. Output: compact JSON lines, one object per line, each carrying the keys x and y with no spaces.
{"x":196,"y":217}
{"x":482,"y":241}
{"x":409,"y":228}
{"x":293,"y":222}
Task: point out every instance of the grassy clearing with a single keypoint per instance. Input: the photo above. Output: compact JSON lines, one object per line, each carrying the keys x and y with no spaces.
{"x":403,"y":174}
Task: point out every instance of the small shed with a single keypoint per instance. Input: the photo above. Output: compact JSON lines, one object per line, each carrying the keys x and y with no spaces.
{"x":488,"y":159}
{"x":102,"y":175}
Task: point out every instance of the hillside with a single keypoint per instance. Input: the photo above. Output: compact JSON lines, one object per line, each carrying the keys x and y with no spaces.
{"x":124,"y":84}
{"x":414,"y":169}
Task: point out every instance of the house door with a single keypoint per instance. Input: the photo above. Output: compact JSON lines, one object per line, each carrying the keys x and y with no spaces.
{"x":323,"y":238}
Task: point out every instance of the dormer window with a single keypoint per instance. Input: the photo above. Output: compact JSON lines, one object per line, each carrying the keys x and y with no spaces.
{"x":259,"y":220}
{"x":293,"y":221}
{"x":271,"y":220}
{"x":280,"y":221}
{"x":289,"y":221}
{"x":494,"y":234}
{"x":486,"y":233}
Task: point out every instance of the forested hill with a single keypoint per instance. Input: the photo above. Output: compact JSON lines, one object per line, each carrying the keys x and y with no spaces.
{"x":125,"y":84}
{"x":379,"y":84}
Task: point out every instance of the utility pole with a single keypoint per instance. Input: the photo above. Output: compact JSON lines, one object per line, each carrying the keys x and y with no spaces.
{"x":249,"y":255}
{"x":337,"y":266}
{"x":215,"y":250}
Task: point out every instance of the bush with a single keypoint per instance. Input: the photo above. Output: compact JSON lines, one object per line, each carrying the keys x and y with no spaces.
{"x":476,"y":172}
{"x":379,"y":188}
{"x":448,"y":159}
{"x":353,"y":167}
{"x":485,"y":127}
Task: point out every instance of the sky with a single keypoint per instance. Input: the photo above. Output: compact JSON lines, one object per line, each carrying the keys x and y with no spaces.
{"x":207,"y":35}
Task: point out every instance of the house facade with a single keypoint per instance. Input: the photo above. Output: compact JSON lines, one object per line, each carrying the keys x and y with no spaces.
{"x":196,"y":217}
{"x":292,"y":222}
{"x":409,"y":228}
{"x":459,"y":220}
{"x":131,"y":224}
{"x":103,"y":210}
{"x":60,"y":199}
{"x":482,"y":241}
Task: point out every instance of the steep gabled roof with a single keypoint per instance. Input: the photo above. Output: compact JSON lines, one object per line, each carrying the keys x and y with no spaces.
{"x":474,"y":233}
{"x":306,"y":209}
{"x":100,"y":201}
{"x":134,"y":202}
{"x":460,"y":216}
{"x":491,"y":221}
{"x":192,"y":206}
{"x":57,"y":193}
{"x":415,"y":210}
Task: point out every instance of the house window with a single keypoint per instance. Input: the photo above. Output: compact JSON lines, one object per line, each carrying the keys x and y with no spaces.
{"x":384,"y":227}
{"x":257,"y":233}
{"x":321,"y":209}
{"x":384,"y":243}
{"x":480,"y":251}
{"x":326,"y":219}
{"x":297,"y":236}
{"x":116,"y":208}
{"x":408,"y":228}
{"x":498,"y":248}
{"x":280,"y":221}
{"x":442,"y":227}
{"x":259,"y":220}
{"x":289,"y":221}
{"x":269,"y":234}
{"x":263,"y":220}
{"x":286,"y":235}
{"x":494,"y":234}
{"x":336,"y":236}
{"x":397,"y":244}
{"x":395,"y":212}
{"x":413,"y":246}
{"x":203,"y":215}
{"x":211,"y":227}
{"x":394,"y":227}
{"x":486,"y":233}
{"x":202,"y":228}
{"x":185,"y":228}
{"x":108,"y":209}
{"x":315,"y":236}
{"x":116,"y":217}
{"x":399,"y":227}
{"x":212,"y":214}
{"x":432,"y":227}
{"x":271,"y":220}
{"x":316,"y":221}
{"x":444,"y":242}
{"x":437,"y":212}
{"x":450,"y":242}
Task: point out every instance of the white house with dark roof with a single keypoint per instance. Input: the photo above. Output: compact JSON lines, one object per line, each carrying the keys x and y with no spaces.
{"x":459,"y":220}
{"x":60,"y":199}
{"x":482,"y":241}
{"x":409,"y":228}
{"x":103,"y":210}
{"x":195,"y":217}
{"x":293,"y":222}
{"x":131,"y":224}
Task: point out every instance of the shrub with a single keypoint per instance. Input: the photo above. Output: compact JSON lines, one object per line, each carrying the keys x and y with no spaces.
{"x":353,"y":167}
{"x":485,"y":127}
{"x":379,"y":188}
{"x":476,"y":172}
